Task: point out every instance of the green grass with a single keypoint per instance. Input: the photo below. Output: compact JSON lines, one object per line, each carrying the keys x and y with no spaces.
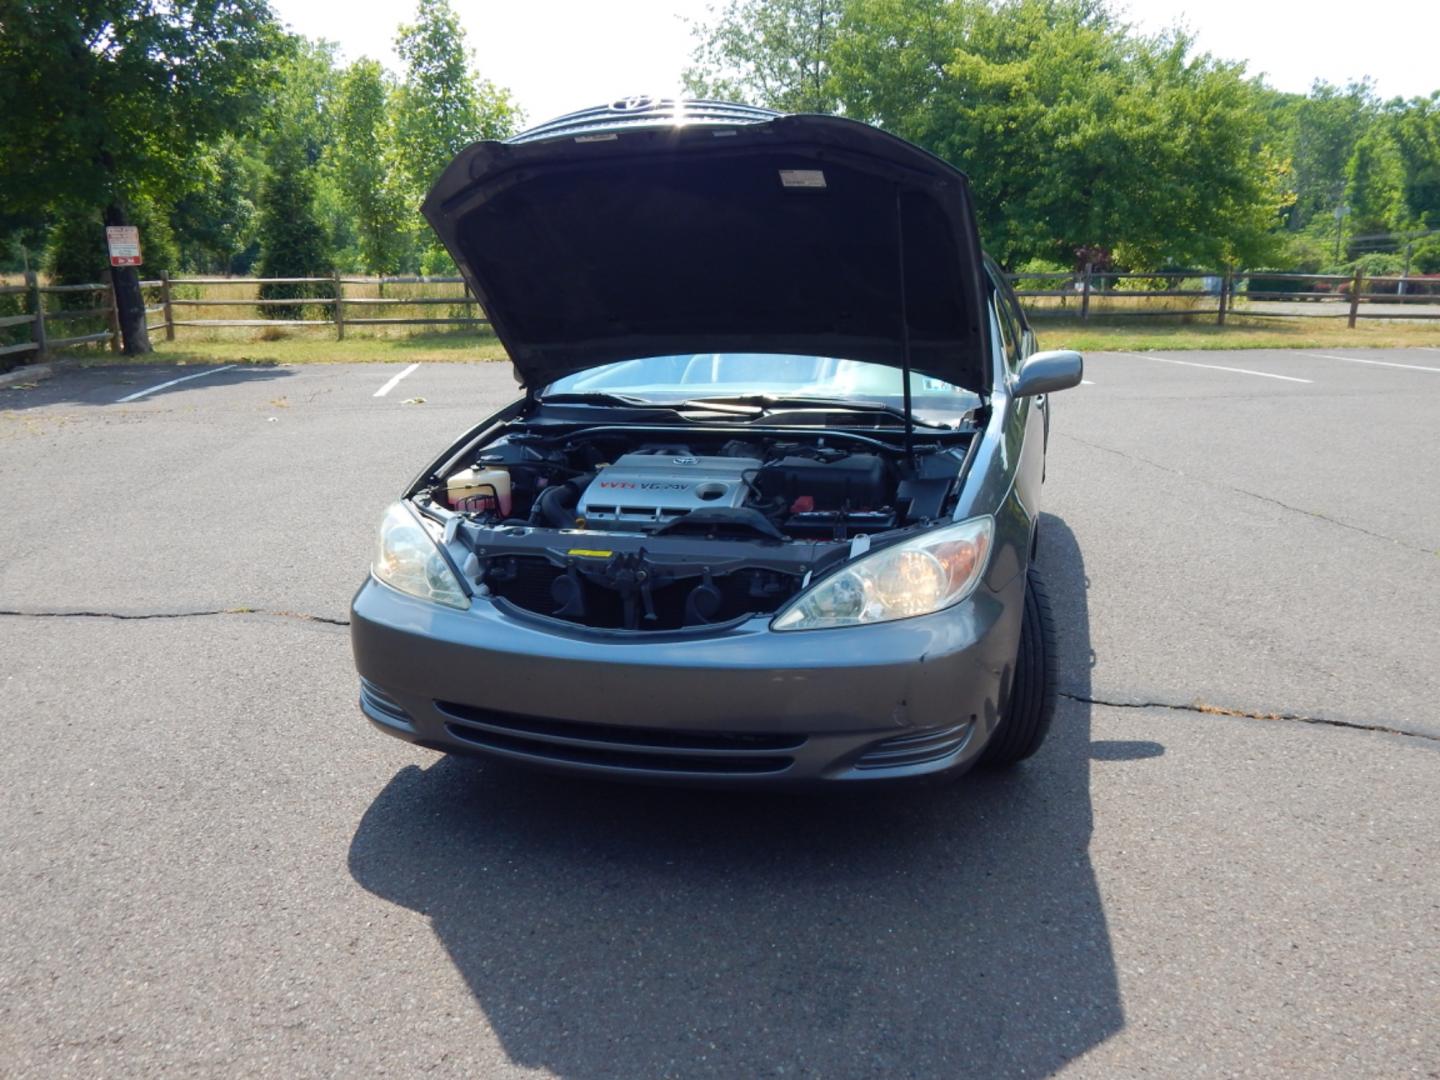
{"x":318,"y":345}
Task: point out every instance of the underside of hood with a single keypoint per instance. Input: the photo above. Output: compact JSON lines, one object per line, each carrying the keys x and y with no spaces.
{"x":687,"y":227}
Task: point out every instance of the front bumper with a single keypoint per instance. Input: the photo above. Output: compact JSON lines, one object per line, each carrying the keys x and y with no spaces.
{"x":741,"y":706}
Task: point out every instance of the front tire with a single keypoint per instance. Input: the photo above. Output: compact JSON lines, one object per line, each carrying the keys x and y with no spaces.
{"x":1031,"y":707}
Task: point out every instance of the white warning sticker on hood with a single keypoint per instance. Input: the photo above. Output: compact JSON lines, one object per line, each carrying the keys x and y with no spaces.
{"x":802,"y":178}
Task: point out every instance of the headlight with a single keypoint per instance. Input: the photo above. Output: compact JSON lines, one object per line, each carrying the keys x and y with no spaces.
{"x":410,"y":561}
{"x":928,"y":573}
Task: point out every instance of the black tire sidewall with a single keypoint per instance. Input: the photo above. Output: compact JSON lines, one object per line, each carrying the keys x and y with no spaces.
{"x":1030,"y":709}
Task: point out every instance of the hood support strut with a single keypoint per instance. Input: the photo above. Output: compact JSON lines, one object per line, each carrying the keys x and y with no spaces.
{"x":904,"y":331}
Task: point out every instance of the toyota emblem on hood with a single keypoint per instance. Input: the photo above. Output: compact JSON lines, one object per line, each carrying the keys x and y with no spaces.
{"x":633,"y":103}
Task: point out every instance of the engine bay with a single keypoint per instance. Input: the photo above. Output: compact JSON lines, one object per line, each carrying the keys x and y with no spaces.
{"x":634,"y":528}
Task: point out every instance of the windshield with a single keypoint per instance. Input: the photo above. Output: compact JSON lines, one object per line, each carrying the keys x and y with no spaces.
{"x":669,"y":379}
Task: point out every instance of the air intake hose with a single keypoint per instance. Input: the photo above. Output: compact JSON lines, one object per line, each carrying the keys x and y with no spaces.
{"x":555,"y":506}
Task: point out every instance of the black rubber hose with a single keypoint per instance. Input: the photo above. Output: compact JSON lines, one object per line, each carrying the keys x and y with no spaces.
{"x":555,"y":506}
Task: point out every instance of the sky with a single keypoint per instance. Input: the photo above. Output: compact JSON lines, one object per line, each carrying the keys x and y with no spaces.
{"x":556,"y":56}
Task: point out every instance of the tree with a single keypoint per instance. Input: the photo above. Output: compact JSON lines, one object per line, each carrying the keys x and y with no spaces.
{"x":214,"y":220}
{"x":105,"y":102}
{"x":303,"y":106}
{"x":1323,"y":130}
{"x":1073,"y":130}
{"x":75,"y":249}
{"x":292,"y":240}
{"x":442,"y":106}
{"x":767,"y":52}
{"x":365,"y":166}
{"x":1415,"y":125}
{"x":1375,"y":191}
{"x":304,"y":113}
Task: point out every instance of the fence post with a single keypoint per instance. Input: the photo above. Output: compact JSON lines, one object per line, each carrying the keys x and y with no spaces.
{"x":112,"y":312}
{"x":1085,"y":293}
{"x":165,"y":304}
{"x":1226,"y":284}
{"x":37,"y":306}
{"x":1355,"y":297}
{"x":339,"y":306}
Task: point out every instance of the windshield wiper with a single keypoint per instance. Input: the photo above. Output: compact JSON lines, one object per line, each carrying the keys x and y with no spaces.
{"x":749,"y":404}
{"x":601,"y":398}
{"x":775,"y":402}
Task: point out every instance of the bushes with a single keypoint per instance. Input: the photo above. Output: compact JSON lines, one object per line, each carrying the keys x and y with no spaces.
{"x":13,"y":304}
{"x":1425,"y":256}
{"x":75,"y":252}
{"x":1377,"y":264}
{"x":1259,"y":285}
{"x":1039,"y":283}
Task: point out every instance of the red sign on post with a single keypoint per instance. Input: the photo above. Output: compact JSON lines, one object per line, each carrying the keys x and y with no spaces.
{"x":124,"y":243}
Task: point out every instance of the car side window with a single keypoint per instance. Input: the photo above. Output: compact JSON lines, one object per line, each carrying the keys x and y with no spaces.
{"x":1012,"y":322}
{"x":1017,"y":314}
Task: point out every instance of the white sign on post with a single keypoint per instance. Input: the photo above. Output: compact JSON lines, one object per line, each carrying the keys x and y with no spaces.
{"x":124,"y":243}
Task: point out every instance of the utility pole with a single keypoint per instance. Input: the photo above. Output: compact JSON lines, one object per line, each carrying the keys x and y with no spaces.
{"x":1340,"y":211}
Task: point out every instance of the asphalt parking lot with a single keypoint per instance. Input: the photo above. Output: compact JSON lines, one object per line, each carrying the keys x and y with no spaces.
{"x":1225,"y":862}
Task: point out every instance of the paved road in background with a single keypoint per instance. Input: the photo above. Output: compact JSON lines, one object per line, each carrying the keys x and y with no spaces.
{"x":1226,"y":860}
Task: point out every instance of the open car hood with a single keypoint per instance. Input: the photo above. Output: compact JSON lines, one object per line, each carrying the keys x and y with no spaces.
{"x":651,"y":228}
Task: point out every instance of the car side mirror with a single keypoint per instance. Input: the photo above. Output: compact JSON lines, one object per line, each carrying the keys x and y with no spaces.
{"x":1047,"y":372}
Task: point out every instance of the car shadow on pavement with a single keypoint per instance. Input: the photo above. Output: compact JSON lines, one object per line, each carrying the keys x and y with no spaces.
{"x":629,"y":932}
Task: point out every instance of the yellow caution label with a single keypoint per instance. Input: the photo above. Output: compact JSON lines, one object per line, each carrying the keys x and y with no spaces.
{"x":586,"y":553}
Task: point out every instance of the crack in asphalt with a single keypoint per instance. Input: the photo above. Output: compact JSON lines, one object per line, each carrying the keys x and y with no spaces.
{"x":1251,"y":494}
{"x":1199,"y":707}
{"x":125,"y":616}
{"x":1327,"y":518}
{"x":1206,"y":709}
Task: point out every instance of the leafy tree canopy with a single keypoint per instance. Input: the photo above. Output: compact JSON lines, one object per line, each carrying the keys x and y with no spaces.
{"x":198,"y":119}
{"x":367,"y":170}
{"x":442,"y":106}
{"x":772,"y":51}
{"x":118,"y":94}
{"x":1073,"y":130}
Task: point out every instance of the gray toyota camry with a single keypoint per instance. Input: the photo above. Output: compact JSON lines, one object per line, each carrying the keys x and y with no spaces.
{"x":766,"y":511}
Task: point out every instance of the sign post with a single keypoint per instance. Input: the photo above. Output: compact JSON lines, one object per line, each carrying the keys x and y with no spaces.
{"x":123,"y":241}
{"x":124,"y":244}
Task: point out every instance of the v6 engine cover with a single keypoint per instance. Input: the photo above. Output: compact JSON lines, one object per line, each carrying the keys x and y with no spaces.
{"x":646,"y":491}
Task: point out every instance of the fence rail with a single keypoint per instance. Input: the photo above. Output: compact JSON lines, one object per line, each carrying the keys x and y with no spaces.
{"x":1231,"y":292}
{"x":172,"y":309}
{"x":333,"y":305}
{"x":1095,"y":294}
{"x":40,"y":321}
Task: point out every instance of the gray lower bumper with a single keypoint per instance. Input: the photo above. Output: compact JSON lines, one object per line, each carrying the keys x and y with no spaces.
{"x":746,"y":705}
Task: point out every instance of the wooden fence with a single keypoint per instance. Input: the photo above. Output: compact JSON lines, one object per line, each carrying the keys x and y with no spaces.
{"x":1250,"y":293}
{"x":338,"y":305}
{"x":341,"y":310}
{"x":41,"y":322}
{"x":1086,"y":294}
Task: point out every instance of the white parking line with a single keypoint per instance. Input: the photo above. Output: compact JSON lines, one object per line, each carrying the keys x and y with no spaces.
{"x":1086,"y":382}
{"x":1215,"y":367}
{"x":1377,"y":363}
{"x":172,"y":382}
{"x":394,"y":381}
